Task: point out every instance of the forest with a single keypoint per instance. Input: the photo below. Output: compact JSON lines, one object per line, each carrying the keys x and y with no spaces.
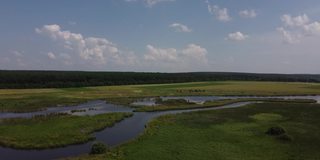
{"x":65,"y":79}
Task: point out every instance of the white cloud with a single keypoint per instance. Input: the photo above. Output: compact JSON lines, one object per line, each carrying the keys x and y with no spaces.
{"x":220,"y":13}
{"x":156,"y":54}
{"x":300,"y":20}
{"x":92,"y":52}
{"x":312,"y":28}
{"x":191,"y":56}
{"x":248,"y":13}
{"x":237,"y":36}
{"x":180,"y":27}
{"x":150,"y":3}
{"x":97,"y":50}
{"x":195,"y":53}
{"x":296,"y":28}
{"x":51,"y":55}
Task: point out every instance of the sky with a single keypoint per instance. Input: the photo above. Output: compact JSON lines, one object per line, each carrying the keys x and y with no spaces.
{"x":265,"y":36}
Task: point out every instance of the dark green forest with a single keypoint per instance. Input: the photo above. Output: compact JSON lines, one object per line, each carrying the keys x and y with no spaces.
{"x":63,"y":79}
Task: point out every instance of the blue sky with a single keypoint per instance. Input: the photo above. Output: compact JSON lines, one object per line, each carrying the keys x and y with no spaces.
{"x":161,"y":35}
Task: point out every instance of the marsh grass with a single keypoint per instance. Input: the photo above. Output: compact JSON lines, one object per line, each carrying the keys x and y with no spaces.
{"x":229,"y":134}
{"x":26,"y":100}
{"x":177,"y":104}
{"x":56,"y":130}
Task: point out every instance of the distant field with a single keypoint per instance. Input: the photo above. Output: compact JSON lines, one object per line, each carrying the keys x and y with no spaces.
{"x":23,"y":100}
{"x":228,"y":134}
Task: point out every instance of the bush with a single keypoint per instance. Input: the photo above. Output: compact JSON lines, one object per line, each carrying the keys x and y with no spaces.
{"x":98,"y":148}
{"x":275,"y":131}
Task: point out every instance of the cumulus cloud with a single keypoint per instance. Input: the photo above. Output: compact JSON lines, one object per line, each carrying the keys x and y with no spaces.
{"x":237,"y":36}
{"x":159,"y":54}
{"x":248,"y":13}
{"x":51,"y":55}
{"x":296,"y":28}
{"x":220,"y":13}
{"x":150,"y":3}
{"x":78,"y":50}
{"x":94,"y":49}
{"x":300,"y":20}
{"x":176,"y":58}
{"x":180,"y":27}
{"x":195,"y":53}
{"x":312,"y":28}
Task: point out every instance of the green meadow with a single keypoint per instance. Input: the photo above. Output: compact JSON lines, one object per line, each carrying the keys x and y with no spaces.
{"x":26,"y":100}
{"x":56,"y":130}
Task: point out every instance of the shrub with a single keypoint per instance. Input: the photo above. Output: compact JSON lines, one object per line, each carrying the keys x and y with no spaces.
{"x":275,"y":131}
{"x":98,"y":148}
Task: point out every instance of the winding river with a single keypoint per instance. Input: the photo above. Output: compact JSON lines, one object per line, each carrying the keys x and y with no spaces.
{"x":120,"y":133}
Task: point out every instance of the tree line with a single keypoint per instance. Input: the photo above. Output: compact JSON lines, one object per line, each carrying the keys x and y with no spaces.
{"x":63,"y":79}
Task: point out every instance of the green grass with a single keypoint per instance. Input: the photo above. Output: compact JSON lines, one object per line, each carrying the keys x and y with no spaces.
{"x":25,"y":100}
{"x":53,"y":130}
{"x":36,"y":103}
{"x":178,"y":105}
{"x":229,"y":134}
{"x":267,"y":117}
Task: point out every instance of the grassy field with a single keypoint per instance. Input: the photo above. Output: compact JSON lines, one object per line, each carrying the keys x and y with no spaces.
{"x":229,"y":134}
{"x":53,"y":130}
{"x":25,"y":100}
